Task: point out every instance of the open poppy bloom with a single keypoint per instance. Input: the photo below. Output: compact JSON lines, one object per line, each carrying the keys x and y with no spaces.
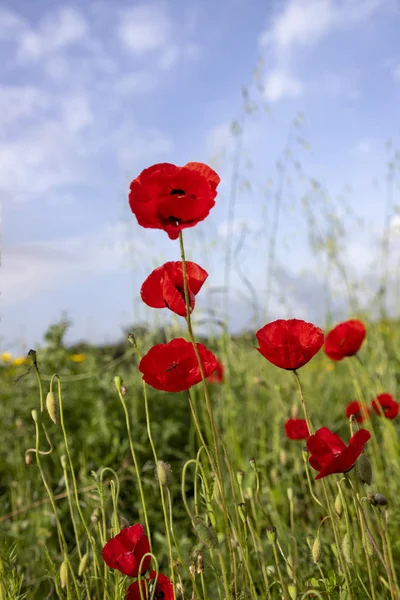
{"x":173,"y":367}
{"x":163,"y":588}
{"x":296,"y":429}
{"x":289,"y":344}
{"x":386,"y":404}
{"x":345,"y":339}
{"x":172,"y":198}
{"x":218,"y":375}
{"x":329,"y":454}
{"x":125,"y":551}
{"x":358,"y":410}
{"x":164,"y":287}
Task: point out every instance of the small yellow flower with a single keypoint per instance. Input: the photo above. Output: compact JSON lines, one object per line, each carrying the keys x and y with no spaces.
{"x":329,"y":367}
{"x":20,"y":360}
{"x":78,"y":358}
{"x":6,"y":357}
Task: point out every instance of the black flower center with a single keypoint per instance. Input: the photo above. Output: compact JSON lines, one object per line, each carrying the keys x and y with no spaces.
{"x":171,"y":367}
{"x":177,"y":192}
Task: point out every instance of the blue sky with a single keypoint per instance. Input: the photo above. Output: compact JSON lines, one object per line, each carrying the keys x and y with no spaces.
{"x":93,"y":92}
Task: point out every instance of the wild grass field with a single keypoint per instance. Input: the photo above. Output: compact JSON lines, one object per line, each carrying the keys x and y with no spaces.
{"x":104,"y":452}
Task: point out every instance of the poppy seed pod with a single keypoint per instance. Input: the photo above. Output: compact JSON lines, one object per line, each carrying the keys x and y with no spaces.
{"x":364,"y":469}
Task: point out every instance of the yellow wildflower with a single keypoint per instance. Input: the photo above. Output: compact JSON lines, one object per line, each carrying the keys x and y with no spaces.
{"x":6,"y":356}
{"x":329,"y":367}
{"x":20,"y":360}
{"x":78,"y":358}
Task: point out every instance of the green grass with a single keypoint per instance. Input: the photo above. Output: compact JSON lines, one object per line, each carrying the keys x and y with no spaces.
{"x":250,"y":408}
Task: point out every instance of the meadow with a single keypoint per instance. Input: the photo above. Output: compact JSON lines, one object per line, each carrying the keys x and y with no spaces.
{"x":229,"y":505}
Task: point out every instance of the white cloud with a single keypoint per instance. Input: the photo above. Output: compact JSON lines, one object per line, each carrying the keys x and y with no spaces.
{"x":151,"y":147}
{"x":76,"y":112}
{"x":144,"y":27}
{"x":10,"y":24}
{"x":169,"y":57}
{"x":33,"y":268}
{"x":306,"y":22}
{"x":301,"y":24}
{"x":20,"y":102}
{"x":136,"y":83}
{"x":280,"y":84}
{"x":56,"y":31}
{"x":363,"y":147}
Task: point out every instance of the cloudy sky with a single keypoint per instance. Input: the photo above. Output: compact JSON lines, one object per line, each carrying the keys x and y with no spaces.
{"x":93,"y":92}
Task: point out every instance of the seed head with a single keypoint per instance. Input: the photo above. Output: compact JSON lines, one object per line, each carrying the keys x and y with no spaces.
{"x":163,"y":472}
{"x":316,"y":550}
{"x":51,"y":406}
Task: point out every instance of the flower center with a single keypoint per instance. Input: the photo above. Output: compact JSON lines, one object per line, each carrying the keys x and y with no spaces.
{"x":177,"y":192}
{"x":171,"y":367}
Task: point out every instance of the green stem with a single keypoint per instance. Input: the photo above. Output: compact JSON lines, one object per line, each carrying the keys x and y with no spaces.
{"x":118,"y":385}
{"x":207,"y":398}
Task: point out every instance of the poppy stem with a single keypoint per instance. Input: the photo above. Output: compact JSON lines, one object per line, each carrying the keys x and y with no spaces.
{"x":207,"y":398}
{"x":303,"y":401}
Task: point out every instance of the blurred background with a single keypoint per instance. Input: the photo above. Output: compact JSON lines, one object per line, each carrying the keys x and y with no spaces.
{"x":295,"y":103}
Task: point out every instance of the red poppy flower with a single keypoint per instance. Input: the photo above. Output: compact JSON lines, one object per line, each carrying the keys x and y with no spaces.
{"x":345,"y":339}
{"x":173,"y":367}
{"x":329,"y":454}
{"x":164,"y":286}
{"x":296,"y":429}
{"x":387,"y":404}
{"x":163,"y":591}
{"x":358,"y":410}
{"x":218,"y":375}
{"x":289,"y":344}
{"x":125,"y":551}
{"x":172,"y":198}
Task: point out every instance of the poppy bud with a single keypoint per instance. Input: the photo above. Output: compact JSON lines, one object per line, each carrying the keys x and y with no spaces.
{"x":289,"y":493}
{"x":64,"y":573}
{"x":118,"y":383}
{"x":364,"y":469}
{"x":239,"y":477}
{"x":380,"y":500}
{"x":282,"y":457}
{"x":163,"y":472}
{"x":205,"y":533}
{"x":63,"y":460}
{"x":346,"y":548}
{"x":124,"y":390}
{"x":316,"y":550}
{"x":292,"y":589}
{"x":338,"y":505}
{"x":83,"y":563}
{"x":252,"y":462}
{"x":35,"y":415}
{"x":271,"y":534}
{"x":28,"y":459}
{"x":51,"y":406}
